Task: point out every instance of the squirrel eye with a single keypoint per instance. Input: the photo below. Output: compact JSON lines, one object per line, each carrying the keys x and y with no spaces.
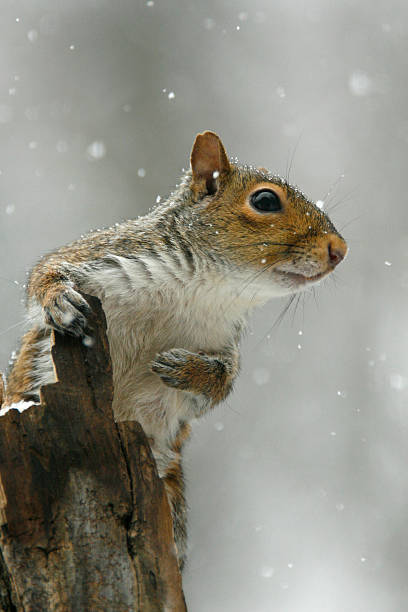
{"x":266,"y":201}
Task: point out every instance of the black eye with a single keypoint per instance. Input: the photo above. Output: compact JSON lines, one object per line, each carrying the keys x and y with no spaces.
{"x":266,"y":201}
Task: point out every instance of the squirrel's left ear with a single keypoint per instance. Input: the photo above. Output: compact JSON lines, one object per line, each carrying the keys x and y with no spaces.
{"x":208,"y":161}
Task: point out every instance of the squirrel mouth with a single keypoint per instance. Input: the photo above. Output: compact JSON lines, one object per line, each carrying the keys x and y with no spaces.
{"x":302,"y":279}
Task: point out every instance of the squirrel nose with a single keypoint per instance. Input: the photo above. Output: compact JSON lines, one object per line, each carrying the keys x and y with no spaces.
{"x":337,"y":250}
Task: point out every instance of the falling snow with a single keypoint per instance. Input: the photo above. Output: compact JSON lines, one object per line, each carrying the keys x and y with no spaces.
{"x":62,"y":146}
{"x":67,"y":318}
{"x":398,"y":382}
{"x":293,"y":399}
{"x":88,"y":341}
{"x":31,"y":113}
{"x":32,"y":35}
{"x":360,"y":84}
{"x":267,"y":571}
{"x":261,"y":376}
{"x":96,"y":150}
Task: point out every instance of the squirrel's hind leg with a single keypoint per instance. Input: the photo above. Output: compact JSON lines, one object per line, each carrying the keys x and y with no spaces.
{"x":32,"y":368}
{"x":173,"y":480}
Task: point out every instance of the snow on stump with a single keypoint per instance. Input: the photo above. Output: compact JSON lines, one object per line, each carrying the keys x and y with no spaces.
{"x":85,"y":521}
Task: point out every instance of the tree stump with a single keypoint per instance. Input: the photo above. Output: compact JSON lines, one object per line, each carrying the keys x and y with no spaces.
{"x":85,"y":521}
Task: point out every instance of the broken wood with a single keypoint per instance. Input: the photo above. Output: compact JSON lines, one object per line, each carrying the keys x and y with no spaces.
{"x":85,"y":521}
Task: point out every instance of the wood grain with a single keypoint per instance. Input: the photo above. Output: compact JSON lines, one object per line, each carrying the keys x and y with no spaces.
{"x":85,"y":522}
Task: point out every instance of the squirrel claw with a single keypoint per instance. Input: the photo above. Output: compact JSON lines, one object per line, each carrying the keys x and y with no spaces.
{"x":198,"y":373}
{"x":67,"y":313}
{"x":171,"y":367}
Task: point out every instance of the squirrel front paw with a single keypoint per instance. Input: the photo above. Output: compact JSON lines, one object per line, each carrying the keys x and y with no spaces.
{"x":66,"y":311}
{"x":174,"y":367}
{"x":198,"y":373}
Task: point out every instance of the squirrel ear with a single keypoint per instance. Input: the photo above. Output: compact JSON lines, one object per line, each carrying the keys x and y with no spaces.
{"x":208,"y":158}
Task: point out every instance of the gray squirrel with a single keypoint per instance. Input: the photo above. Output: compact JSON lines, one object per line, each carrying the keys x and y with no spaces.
{"x":177,"y":286}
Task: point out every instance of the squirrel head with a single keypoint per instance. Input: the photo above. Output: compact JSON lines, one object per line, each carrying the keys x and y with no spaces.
{"x":256,"y":221}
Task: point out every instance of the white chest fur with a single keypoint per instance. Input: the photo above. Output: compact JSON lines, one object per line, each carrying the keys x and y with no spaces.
{"x":150,"y":310}
{"x":153,"y":305}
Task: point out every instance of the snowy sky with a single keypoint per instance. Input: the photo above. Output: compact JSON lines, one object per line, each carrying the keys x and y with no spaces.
{"x":297,"y":485}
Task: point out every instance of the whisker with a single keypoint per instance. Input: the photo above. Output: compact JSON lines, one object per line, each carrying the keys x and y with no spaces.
{"x":339,"y":281}
{"x":282,"y":314}
{"x":277,"y":321}
{"x":314,"y":297}
{"x":297,"y":251}
{"x":349,"y":222}
{"x":333,"y":280}
{"x":226,"y":402}
{"x":4,"y":331}
{"x":246,"y":284}
{"x":12,"y":282}
{"x":332,"y":187}
{"x":347,"y":199}
{"x":251,"y":278}
{"x":296,"y":307}
{"x":303,"y":309}
{"x":263,"y":242}
{"x":293,"y":157}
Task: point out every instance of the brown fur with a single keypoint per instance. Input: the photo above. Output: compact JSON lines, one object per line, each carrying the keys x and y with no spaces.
{"x":207,"y":158}
{"x":174,"y":483}
{"x":22,"y":375}
{"x":201,"y":373}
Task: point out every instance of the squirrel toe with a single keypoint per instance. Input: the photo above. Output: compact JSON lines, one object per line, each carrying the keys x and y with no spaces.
{"x":169,"y":366}
{"x":67,"y":313}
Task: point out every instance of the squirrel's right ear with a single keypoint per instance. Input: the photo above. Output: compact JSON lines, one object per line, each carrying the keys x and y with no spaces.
{"x":208,"y":161}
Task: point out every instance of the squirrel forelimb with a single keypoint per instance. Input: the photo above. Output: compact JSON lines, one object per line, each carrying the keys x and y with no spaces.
{"x":199,"y":373}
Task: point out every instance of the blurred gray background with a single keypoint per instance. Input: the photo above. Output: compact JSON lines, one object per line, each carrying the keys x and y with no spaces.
{"x":297,"y":485}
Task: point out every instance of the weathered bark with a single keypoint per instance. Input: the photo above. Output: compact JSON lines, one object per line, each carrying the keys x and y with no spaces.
{"x":85,"y":522}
